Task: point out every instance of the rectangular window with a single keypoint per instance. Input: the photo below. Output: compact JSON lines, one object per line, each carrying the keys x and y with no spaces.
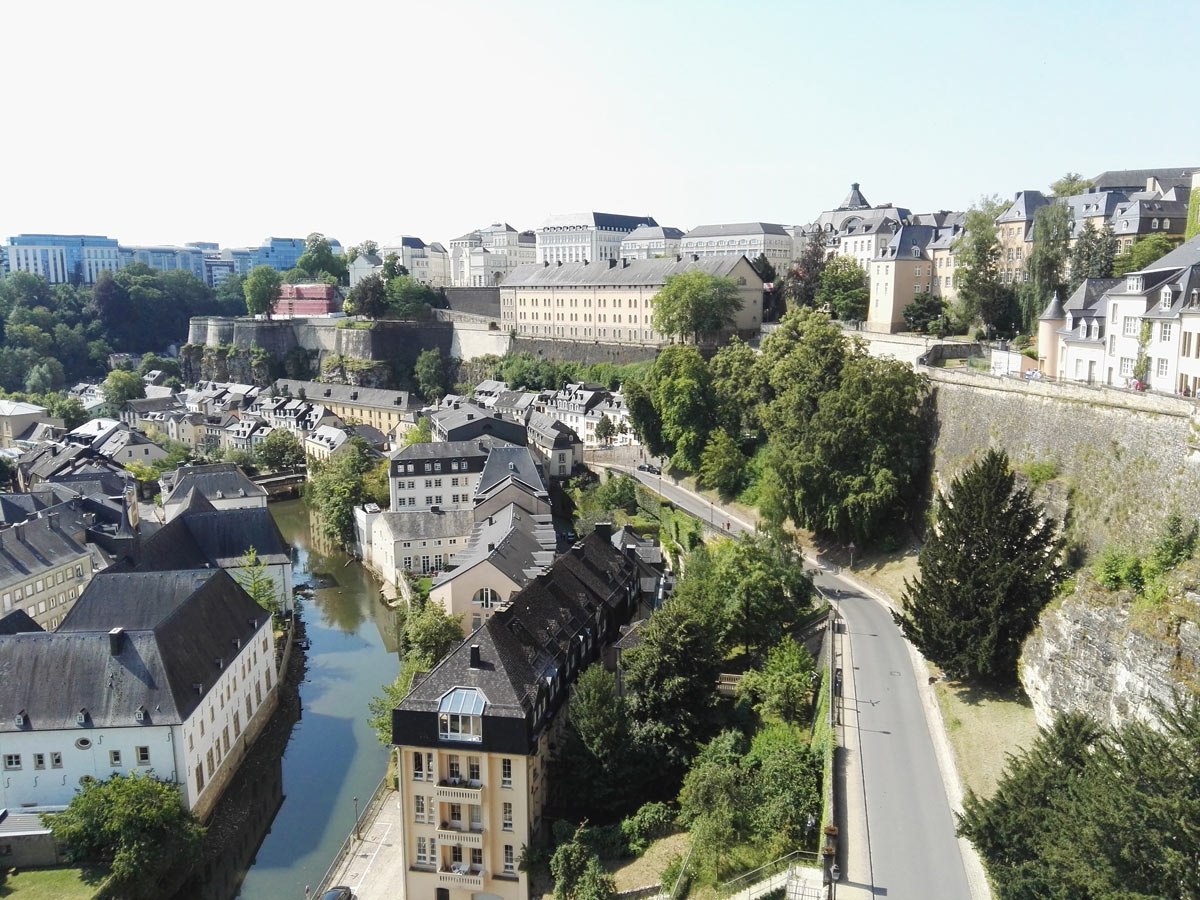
{"x":508,"y":813}
{"x":477,"y":857}
{"x":209,"y":758}
{"x":114,"y":757}
{"x":422,"y":851}
{"x":1131,"y":326}
{"x":456,"y":726}
{"x":39,"y":760}
{"x":1126,"y":365}
{"x":143,"y":756}
{"x":506,"y":773}
{"x":12,"y":760}
{"x":509,"y":860}
{"x":1162,"y":367}
{"x":1165,"y":331}
{"x":199,"y":777}
{"x":454,"y":769}
{"x":1112,"y":343}
{"x":473,"y":768}
{"x":456,"y":853}
{"x":418,"y":808}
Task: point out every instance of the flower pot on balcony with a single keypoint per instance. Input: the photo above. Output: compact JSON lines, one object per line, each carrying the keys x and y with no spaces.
{"x":831,"y":830}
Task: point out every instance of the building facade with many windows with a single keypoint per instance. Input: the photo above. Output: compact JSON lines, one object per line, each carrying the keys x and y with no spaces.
{"x":585,"y":237}
{"x":63,"y":258}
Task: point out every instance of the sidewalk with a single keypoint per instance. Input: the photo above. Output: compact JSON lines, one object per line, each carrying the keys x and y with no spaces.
{"x":854,"y":841}
{"x":373,"y":866}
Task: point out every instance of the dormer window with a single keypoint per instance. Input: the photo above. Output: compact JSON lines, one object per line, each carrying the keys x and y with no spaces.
{"x":140,"y":714}
{"x":1095,"y":331}
{"x":1133,"y":283}
{"x":1083,"y":329}
{"x":81,"y":716}
{"x":1165,"y":302}
{"x":19,"y":719}
{"x":460,"y":715}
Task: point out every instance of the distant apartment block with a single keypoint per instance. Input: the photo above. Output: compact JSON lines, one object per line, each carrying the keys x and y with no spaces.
{"x":482,"y":258}
{"x":64,"y":258}
{"x":585,"y":237}
{"x":748,"y":239}
{"x":166,"y":259}
{"x":651,"y":242}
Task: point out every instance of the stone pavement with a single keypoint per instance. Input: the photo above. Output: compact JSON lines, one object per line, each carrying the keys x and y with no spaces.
{"x":373,"y":865}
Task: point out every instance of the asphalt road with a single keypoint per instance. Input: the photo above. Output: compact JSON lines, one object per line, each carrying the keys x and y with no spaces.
{"x":911,"y":849}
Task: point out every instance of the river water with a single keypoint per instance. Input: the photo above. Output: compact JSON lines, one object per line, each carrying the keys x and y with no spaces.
{"x":333,"y":755}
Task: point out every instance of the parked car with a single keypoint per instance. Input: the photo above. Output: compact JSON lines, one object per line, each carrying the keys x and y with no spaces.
{"x":654,"y":470}
{"x":340,"y":892}
{"x":642,"y":467}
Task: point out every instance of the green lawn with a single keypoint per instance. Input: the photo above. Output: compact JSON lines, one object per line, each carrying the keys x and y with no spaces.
{"x":53,"y":884}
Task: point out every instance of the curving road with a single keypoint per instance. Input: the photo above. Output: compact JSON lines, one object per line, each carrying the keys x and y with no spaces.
{"x":898,"y":836}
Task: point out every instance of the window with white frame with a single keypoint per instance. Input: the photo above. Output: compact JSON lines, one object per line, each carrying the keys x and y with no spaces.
{"x":418,"y":808}
{"x":1131,"y":326}
{"x":422,"y":851}
{"x":1161,"y":371}
{"x":12,"y":761}
{"x":1112,"y":343}
{"x":509,"y":859}
{"x":508,"y":817}
{"x":1164,"y":331}
{"x":506,"y":773}
{"x":1126,"y":365}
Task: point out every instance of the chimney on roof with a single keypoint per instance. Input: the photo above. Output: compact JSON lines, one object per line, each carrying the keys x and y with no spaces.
{"x":612,"y":263}
{"x":545,"y":263}
{"x":491,"y":547}
{"x":695,"y":257}
{"x":604,"y":529}
{"x":560,"y":262}
{"x":624,"y":264}
{"x":678,"y":258}
{"x":116,"y":640}
{"x":470,"y":416}
{"x":475,"y":663}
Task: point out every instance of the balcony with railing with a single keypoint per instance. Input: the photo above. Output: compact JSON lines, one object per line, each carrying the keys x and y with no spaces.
{"x":462,"y":876}
{"x":450,"y":833}
{"x":455,"y":790}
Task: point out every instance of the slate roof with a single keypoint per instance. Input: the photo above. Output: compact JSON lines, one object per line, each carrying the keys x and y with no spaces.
{"x":514,"y":463}
{"x":201,"y":536}
{"x":427,"y":525}
{"x":907,"y":239}
{"x":30,"y":548}
{"x":525,"y":643}
{"x":1135,"y":179}
{"x":552,"y":433}
{"x":1023,"y":207}
{"x":736,"y":228}
{"x":317,"y":392}
{"x":602,"y":221}
{"x":16,"y":408}
{"x":176,"y":627}
{"x":637,"y":272}
{"x":854,"y":199}
{"x":467,"y":417}
{"x":520,"y":545}
{"x":654,"y":233}
{"x":216,"y":481}
{"x":1186,"y":254}
{"x":18,"y":622}
{"x":481,"y":446}
{"x":153,"y":404}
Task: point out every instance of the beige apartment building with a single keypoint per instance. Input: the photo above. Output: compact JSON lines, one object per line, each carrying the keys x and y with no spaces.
{"x":613,"y":300}
{"x":355,"y":405}
{"x":473,"y":736}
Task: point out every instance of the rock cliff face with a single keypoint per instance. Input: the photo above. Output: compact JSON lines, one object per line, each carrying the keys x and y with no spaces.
{"x":1102,"y":653}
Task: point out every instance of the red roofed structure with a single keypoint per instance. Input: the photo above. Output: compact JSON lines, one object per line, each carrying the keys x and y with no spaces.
{"x":307,"y":300}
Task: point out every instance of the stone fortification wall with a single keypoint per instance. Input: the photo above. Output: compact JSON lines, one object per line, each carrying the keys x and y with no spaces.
{"x":1101,"y":654}
{"x":586,"y":352}
{"x":476,"y":301}
{"x":1125,"y":459}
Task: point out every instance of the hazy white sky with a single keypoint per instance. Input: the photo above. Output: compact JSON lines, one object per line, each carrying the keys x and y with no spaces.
{"x":169,"y":122}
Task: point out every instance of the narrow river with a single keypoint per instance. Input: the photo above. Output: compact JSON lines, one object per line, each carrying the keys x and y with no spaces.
{"x":333,"y":755}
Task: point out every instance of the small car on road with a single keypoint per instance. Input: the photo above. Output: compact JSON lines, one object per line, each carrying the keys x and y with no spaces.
{"x":339,"y":892}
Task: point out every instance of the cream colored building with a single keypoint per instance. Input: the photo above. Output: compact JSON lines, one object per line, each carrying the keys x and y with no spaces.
{"x":473,"y":738}
{"x":612,"y":301}
{"x":18,"y":418}
{"x":748,"y":239}
{"x":651,"y":242}
{"x":44,"y":566}
{"x":484,"y":257}
{"x":918,"y":260}
{"x":585,"y":237}
{"x":382,"y":409}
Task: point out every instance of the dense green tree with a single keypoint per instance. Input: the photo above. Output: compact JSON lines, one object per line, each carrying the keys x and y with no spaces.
{"x":988,"y":569}
{"x":722,"y":464}
{"x":763,"y":267}
{"x":121,"y":387}
{"x":596,"y":768}
{"x":409,"y":299}
{"x":134,"y":825}
{"x":421,"y":434}
{"x":430,"y":371}
{"x":1069,"y":185}
{"x":336,"y":486}
{"x":368,"y":298}
{"x":279,"y":450}
{"x":844,"y":289}
{"x":605,"y":430}
{"x":680,"y":388}
{"x":925,"y":312}
{"x":152,"y":362}
{"x":319,"y":259}
{"x":801,"y":360}
{"x":761,"y":589}
{"x":431,"y":633}
{"x":262,"y":288}
{"x":853,"y":470}
{"x":578,"y":873}
{"x":786,"y":793}
{"x":695,"y":303}
{"x":981,"y":293}
{"x":784,"y":685}
{"x":738,"y":386}
{"x":392,"y":268}
{"x":376,"y":485}
{"x":1093,"y":254}
{"x":803,"y":280}
{"x":257,"y":582}
{"x":1049,"y":260}
{"x":1142,"y":254}
{"x":647,"y":422}
{"x":231,"y":296}
{"x":670,"y":683}
{"x":366,"y":248}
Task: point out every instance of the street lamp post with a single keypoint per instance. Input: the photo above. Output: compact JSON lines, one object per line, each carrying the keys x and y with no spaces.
{"x":357,"y":835}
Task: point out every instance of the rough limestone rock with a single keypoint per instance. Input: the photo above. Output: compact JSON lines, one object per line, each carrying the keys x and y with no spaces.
{"x":1102,"y":653}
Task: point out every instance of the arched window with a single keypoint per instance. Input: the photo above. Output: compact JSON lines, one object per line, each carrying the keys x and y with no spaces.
{"x":1153,"y":224}
{"x":1166,"y":224}
{"x":486,"y":597}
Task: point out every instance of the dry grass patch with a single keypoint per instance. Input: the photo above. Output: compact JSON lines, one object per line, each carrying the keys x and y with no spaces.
{"x":984,"y":726}
{"x":648,"y":868}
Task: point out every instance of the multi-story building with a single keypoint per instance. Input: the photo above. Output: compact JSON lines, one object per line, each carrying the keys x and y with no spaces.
{"x":854,"y":229}
{"x":377,"y":407}
{"x":17,"y":421}
{"x":45,"y":564}
{"x":63,"y":258}
{"x":224,"y":485}
{"x":919,"y":259}
{"x":426,"y":263}
{"x":585,"y":237}
{"x":166,"y":259}
{"x":444,"y":474}
{"x":276,"y":252}
{"x":650,"y":242}
{"x":748,"y":239}
{"x":464,"y":421}
{"x":473,"y":738}
{"x":306,"y":300}
{"x":1108,"y":325}
{"x":613,"y":300}
{"x":483,"y":258}
{"x":170,"y":673}
{"x":557,"y":446}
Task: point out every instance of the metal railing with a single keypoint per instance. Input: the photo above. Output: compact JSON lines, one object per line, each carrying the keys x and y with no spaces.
{"x":806,"y":858}
{"x":369,"y":812}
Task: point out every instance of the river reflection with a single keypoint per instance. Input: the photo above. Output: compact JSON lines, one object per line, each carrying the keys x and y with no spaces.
{"x":333,"y":756}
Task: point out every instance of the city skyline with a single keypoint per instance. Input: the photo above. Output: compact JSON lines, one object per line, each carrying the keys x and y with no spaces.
{"x":236,"y":126}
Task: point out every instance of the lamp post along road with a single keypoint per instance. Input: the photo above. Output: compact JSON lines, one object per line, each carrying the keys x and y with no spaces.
{"x":357,"y":835}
